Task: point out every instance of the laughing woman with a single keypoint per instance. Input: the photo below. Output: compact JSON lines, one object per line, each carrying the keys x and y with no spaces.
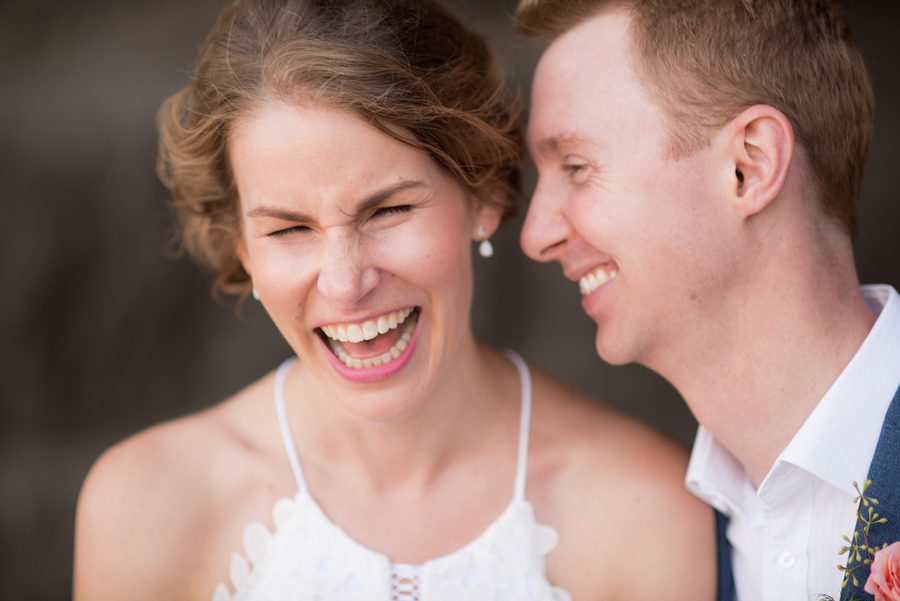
{"x":338,"y":158}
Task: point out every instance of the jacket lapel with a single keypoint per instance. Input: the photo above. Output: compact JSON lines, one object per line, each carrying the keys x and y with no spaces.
{"x":725,"y":586}
{"x":884,"y":472}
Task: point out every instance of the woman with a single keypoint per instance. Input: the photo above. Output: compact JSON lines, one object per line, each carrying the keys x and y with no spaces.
{"x":338,"y":158}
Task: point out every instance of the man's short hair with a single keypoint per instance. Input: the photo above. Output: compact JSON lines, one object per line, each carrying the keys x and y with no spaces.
{"x":705,"y":61}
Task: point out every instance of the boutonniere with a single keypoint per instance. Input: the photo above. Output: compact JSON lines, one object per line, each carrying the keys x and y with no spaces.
{"x":884,"y":561}
{"x":884,"y":581}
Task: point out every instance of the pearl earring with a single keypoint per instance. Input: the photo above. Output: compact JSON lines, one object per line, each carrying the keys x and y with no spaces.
{"x":485,"y":249}
{"x":255,"y":293}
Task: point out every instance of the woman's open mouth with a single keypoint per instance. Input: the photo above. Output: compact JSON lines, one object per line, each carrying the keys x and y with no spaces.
{"x":374,"y":349}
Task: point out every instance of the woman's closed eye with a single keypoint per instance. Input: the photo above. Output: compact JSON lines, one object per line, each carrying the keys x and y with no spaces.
{"x":294,"y":229}
{"x":302,"y":229}
{"x":395,"y":209}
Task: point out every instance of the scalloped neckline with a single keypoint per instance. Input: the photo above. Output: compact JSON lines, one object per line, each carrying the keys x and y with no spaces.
{"x":305,"y":496}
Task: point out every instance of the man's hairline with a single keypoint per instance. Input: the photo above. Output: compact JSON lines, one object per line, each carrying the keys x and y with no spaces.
{"x":653,"y":90}
{"x":649,"y":87}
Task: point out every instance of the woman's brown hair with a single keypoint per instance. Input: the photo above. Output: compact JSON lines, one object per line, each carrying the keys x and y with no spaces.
{"x":407,"y":67}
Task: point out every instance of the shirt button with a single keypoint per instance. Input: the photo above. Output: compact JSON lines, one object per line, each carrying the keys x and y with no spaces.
{"x":787,"y":560}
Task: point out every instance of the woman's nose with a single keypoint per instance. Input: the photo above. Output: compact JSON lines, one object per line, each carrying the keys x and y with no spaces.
{"x":345,"y":277}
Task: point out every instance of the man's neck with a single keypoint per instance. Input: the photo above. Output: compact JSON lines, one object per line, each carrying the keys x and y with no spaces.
{"x":755,"y":380}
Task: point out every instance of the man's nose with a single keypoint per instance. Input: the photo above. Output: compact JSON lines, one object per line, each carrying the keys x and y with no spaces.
{"x":546,"y":229}
{"x":345,"y":276}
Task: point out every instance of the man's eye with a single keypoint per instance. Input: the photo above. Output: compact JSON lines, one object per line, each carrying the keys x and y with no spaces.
{"x":393,"y":209}
{"x":577,"y":171}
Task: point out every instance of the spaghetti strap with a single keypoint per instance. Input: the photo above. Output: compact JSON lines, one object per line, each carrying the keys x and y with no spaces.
{"x":524,"y":422}
{"x":285,"y":425}
{"x":308,"y":552}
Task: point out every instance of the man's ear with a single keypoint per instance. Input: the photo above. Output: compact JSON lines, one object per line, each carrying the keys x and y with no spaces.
{"x":760,"y":143}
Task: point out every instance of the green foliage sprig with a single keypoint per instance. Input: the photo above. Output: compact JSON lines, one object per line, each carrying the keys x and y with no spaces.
{"x":859,"y":553}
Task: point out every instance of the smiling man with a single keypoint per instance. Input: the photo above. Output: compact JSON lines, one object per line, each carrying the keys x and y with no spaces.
{"x":699,"y":173}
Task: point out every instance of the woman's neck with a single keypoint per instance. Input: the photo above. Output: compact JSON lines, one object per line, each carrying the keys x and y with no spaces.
{"x":450,"y":423}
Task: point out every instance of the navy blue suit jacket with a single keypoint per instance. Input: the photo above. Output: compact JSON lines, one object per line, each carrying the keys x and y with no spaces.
{"x":884,"y":472}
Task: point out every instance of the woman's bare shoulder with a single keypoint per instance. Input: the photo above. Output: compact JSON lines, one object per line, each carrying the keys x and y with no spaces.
{"x":593,"y":434}
{"x":157,"y":501}
{"x":610,"y":477}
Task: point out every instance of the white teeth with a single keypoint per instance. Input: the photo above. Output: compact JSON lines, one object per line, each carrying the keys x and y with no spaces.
{"x":365,"y":332}
{"x":591,"y":281}
{"x":354,"y":333}
{"x":369,"y":329}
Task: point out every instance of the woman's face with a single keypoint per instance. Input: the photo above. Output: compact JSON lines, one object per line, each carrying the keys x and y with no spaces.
{"x":359,"y":248}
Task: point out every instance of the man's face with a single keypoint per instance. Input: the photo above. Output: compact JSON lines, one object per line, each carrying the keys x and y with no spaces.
{"x":643,"y":234}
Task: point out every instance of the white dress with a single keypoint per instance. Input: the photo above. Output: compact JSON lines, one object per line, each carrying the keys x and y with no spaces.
{"x":309,"y":558}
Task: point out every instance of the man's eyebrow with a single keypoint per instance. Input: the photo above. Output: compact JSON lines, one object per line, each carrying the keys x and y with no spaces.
{"x":364,"y":205}
{"x":552,"y":144}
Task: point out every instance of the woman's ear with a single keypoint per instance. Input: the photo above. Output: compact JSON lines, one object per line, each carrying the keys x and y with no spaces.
{"x":489,"y":212}
{"x":760,"y":145}
{"x":240,"y":250}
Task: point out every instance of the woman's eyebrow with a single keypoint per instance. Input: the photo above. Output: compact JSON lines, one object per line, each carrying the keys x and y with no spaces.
{"x":277,"y":213}
{"x":380,"y":196}
{"x":363,"y":206}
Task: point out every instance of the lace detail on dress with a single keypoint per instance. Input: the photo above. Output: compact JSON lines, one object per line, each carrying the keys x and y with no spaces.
{"x":506,"y":563}
{"x":405,"y":582}
{"x":310,"y":558}
{"x":306,"y":558}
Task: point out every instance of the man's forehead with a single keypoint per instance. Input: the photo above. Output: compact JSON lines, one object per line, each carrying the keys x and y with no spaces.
{"x":563,"y":110}
{"x":586,"y":88}
{"x":606,"y":31}
{"x":597,"y":51}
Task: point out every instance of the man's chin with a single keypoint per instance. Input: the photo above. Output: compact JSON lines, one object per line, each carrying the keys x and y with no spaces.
{"x":612,"y":353}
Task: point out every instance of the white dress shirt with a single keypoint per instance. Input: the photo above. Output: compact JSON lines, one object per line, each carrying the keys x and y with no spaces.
{"x":786,"y":535}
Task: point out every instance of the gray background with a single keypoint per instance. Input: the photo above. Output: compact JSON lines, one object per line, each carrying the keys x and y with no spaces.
{"x":102,"y":333}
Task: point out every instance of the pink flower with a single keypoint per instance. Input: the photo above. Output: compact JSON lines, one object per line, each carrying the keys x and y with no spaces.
{"x":884,"y":580}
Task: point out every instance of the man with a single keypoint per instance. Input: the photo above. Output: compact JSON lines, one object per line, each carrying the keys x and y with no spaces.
{"x":699,"y":174}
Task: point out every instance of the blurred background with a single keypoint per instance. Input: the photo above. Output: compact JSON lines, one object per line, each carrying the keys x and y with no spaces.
{"x":104,"y":332}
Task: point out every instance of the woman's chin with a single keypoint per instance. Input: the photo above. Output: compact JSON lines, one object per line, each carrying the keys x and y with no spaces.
{"x":390,"y":401}
{"x":382,"y":391}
